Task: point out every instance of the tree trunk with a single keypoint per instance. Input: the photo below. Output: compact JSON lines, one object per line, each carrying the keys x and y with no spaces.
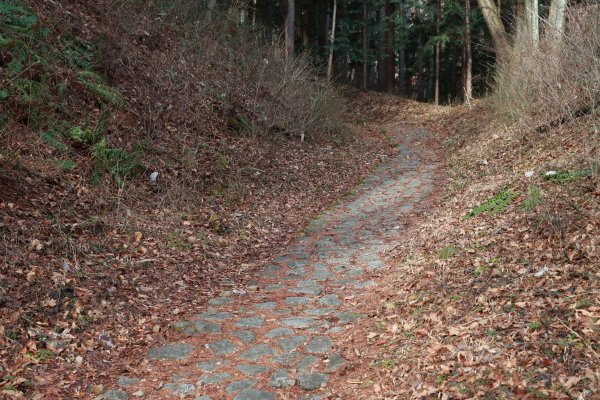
{"x":402,"y":70}
{"x":343,"y":35}
{"x":556,"y":20}
{"x":496,"y":28}
{"x":330,"y":63}
{"x":305,"y":25}
{"x":289,"y":30}
{"x":532,"y":21}
{"x":390,"y":62}
{"x":467,"y":57}
{"x":210,"y":10}
{"x":381,"y":49}
{"x":437,"y":51}
{"x":365,"y":45}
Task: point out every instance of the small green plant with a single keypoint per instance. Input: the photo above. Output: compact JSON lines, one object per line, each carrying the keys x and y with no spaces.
{"x":447,"y":252}
{"x":45,"y":354}
{"x":175,"y":240}
{"x":583,"y":304}
{"x":119,"y":163}
{"x":494,"y":205}
{"x":533,"y":199}
{"x":492,"y":332}
{"x":535,"y":325}
{"x":568,"y":176}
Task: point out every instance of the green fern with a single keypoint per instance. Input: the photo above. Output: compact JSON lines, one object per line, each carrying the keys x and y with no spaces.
{"x":50,"y":138}
{"x":494,"y":205}
{"x":16,"y":16}
{"x":568,"y":176}
{"x":105,"y":94}
{"x":83,"y":135}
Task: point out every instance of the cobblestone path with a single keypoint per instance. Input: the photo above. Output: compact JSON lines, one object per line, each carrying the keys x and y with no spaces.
{"x":276,"y":339}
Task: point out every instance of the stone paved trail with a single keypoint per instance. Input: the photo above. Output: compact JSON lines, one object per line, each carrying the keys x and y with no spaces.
{"x":275,"y":340}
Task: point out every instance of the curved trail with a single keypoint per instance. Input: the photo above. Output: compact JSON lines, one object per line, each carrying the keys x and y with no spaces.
{"x":277,"y":339}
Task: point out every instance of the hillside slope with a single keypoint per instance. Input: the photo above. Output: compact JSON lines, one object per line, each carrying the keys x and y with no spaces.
{"x":496,"y":294}
{"x":95,"y":257}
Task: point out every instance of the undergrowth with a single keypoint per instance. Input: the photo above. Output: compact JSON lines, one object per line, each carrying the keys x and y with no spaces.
{"x":43,"y":70}
{"x":558,"y":81}
{"x":494,"y":205}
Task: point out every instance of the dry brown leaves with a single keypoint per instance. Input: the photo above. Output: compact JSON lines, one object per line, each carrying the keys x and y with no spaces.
{"x":502,"y":305}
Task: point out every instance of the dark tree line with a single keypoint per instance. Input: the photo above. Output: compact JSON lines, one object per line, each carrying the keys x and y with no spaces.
{"x":416,"y":48}
{"x":429,"y":50}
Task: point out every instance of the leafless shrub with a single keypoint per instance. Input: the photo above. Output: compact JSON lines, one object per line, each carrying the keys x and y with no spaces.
{"x":557,"y":81}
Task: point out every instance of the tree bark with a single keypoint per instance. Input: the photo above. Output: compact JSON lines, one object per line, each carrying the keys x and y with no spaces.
{"x":210,"y":10}
{"x":496,"y":28}
{"x":390,"y":62}
{"x":532,"y":21}
{"x":333,"y":23}
{"x":365,"y":45}
{"x":556,"y":20}
{"x":381,"y":49}
{"x":437,"y":51}
{"x":305,"y":25}
{"x":467,"y":57}
{"x":289,"y":30}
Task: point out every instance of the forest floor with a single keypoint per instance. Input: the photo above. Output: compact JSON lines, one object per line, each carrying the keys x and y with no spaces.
{"x":279,"y":336}
{"x":452,"y":271}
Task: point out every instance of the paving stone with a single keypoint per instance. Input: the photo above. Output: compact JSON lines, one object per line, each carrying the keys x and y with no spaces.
{"x":281,"y":379}
{"x":252,"y":370}
{"x":180,"y":389}
{"x":311,"y":397}
{"x":307,"y":363}
{"x":245,"y":336}
{"x":319,"y":345}
{"x":336,"y":361}
{"x":173,"y":351}
{"x":214,"y":315}
{"x":295,"y":272}
{"x":348,"y":316}
{"x":274,"y":286}
{"x":355,"y":272}
{"x":308,"y":287}
{"x":266,"y":306}
{"x":287,"y":359}
{"x":195,"y":327}
{"x":180,"y":377}
{"x":212,"y":365}
{"x":279,"y":332}
{"x":291,"y":343}
{"x":330,"y":300}
{"x":269,"y":271}
{"x":320,"y":311}
{"x":222,"y":347}
{"x":220,"y":301}
{"x":250,"y":322}
{"x":282,"y":311}
{"x":236,"y":386}
{"x":364,"y":285}
{"x":319,"y":327}
{"x":299,"y":322}
{"x":297,"y":301}
{"x":254,"y":394}
{"x":257,"y":352}
{"x":126,"y":381}
{"x":312,"y":381}
{"x":113,"y":394}
{"x":217,"y":377}
{"x":322,"y":275}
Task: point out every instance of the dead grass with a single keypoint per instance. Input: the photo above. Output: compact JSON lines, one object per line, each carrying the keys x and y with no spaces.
{"x":557,"y":81}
